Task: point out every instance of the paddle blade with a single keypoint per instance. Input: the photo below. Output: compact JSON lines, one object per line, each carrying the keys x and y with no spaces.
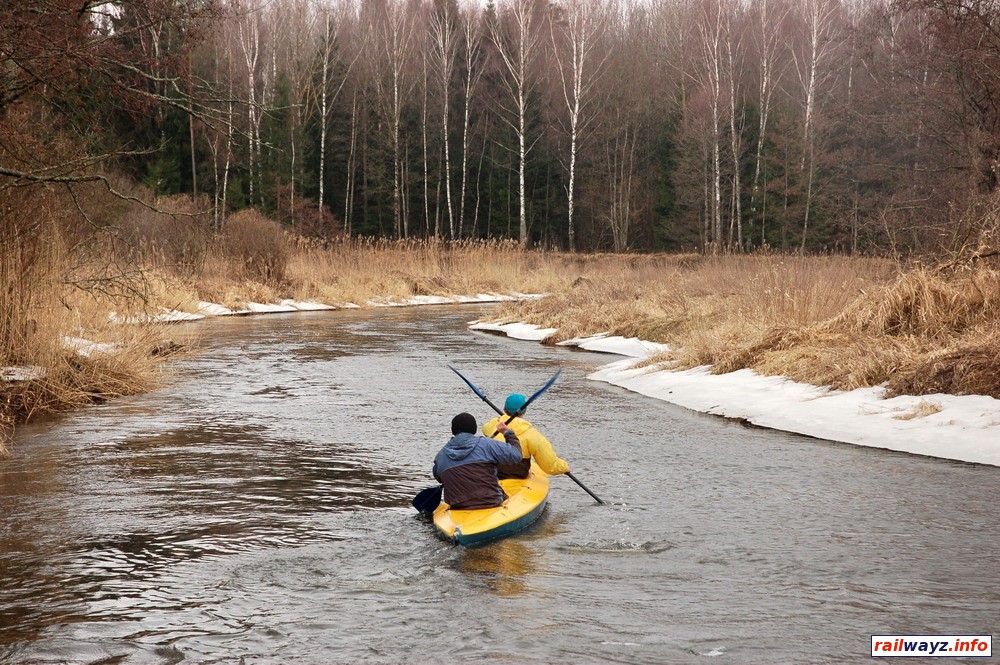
{"x":476,"y":390}
{"x":468,"y":383}
{"x":426,"y":501}
{"x":538,"y":393}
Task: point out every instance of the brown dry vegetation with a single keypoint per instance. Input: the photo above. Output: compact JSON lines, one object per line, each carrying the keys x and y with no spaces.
{"x":356,"y":271}
{"x":60,"y":276}
{"x":834,"y":321}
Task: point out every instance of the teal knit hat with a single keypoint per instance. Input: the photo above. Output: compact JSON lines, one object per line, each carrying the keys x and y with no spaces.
{"x":515,"y":402}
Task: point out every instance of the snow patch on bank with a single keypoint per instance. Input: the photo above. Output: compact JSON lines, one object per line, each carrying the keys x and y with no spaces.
{"x":964,"y":428}
{"x":21,"y":373}
{"x":288,"y":305}
{"x":165,"y":315}
{"x":88,"y":348}
{"x":306,"y":306}
{"x":632,"y":347}
{"x":527,"y":331}
{"x":450,"y":300}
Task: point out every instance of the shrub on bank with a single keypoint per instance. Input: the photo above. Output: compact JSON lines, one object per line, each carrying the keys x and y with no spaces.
{"x":258,"y":247}
{"x":173,"y":232}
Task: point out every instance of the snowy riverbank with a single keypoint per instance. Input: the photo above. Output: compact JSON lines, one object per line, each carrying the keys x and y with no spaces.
{"x":964,"y":428}
{"x":287,"y":306}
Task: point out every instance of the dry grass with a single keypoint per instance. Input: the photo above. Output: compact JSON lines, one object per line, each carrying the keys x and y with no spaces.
{"x":923,"y":409}
{"x":834,"y":321}
{"x":356,"y":271}
{"x":723,"y":311}
{"x":124,"y":361}
{"x":59,"y":279}
{"x":6,"y":430}
{"x":70,"y":286}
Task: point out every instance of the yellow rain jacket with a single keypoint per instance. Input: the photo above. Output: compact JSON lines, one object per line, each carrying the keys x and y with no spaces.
{"x":533,"y":444}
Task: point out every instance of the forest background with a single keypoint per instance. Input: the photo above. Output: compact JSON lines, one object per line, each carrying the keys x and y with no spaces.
{"x":824,"y":125}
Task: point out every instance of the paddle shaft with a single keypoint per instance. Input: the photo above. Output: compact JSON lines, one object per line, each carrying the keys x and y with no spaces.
{"x":511,"y":419}
{"x":573,"y":478}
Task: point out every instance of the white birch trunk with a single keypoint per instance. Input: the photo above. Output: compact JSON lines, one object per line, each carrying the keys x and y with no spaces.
{"x":518,"y":61}
{"x":427,"y":177}
{"x":351,"y":169}
{"x":442,"y":28}
{"x":768,"y":34}
{"x":710,"y":34}
{"x":734,"y":56}
{"x":323,"y":112}
{"x":820,"y":17}
{"x":580,"y":34}
{"x":473,"y":40}
{"x":249,"y":28}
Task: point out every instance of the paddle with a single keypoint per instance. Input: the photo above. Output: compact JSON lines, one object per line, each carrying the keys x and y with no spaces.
{"x":520,"y":411}
{"x":595,"y":497}
{"x":427,"y":500}
{"x":482,"y":396}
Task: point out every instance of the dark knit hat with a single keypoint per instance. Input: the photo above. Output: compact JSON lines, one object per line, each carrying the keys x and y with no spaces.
{"x":463,"y":422}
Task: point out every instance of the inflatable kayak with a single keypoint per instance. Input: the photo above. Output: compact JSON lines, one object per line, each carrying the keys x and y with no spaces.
{"x":525,"y":503}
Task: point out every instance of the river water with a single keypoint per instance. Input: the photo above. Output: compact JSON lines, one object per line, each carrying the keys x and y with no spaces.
{"x":257,"y":510}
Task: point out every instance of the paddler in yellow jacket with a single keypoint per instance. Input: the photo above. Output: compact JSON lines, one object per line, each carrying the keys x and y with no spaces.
{"x":533,"y":444}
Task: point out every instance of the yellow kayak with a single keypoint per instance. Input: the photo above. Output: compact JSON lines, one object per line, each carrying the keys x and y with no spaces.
{"x":525,"y":503}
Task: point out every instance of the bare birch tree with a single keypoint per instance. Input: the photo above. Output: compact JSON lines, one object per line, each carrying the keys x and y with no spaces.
{"x":620,"y":156}
{"x":813,"y":66}
{"x":299,"y":53}
{"x":444,"y":38}
{"x":575,"y":43}
{"x":472,"y":37}
{"x":352,"y":161}
{"x":735,"y":55}
{"x":250,"y":46}
{"x":711,"y":31}
{"x":519,"y":51}
{"x":770,"y":15}
{"x":335,"y":56}
{"x":221,"y":134}
{"x":392,"y":29}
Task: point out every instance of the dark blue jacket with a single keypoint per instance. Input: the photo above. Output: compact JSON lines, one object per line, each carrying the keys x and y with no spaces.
{"x":467,"y":467}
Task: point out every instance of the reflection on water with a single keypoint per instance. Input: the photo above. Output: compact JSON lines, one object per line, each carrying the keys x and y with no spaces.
{"x":506,"y":566}
{"x":258,"y":508}
{"x":503,"y":567}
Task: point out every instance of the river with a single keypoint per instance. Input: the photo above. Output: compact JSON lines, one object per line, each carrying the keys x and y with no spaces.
{"x":256,"y":510}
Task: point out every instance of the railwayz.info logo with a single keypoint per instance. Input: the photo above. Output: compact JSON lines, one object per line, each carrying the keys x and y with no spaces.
{"x":932,"y":646}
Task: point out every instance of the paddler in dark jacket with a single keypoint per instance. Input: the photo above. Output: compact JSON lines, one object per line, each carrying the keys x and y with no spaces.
{"x":467,"y":465}
{"x":533,"y":443}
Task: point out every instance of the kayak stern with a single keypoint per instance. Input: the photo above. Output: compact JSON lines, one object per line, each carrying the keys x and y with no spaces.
{"x":527,"y":498}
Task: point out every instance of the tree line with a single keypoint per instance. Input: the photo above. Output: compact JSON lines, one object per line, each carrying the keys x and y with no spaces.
{"x":716,"y":125}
